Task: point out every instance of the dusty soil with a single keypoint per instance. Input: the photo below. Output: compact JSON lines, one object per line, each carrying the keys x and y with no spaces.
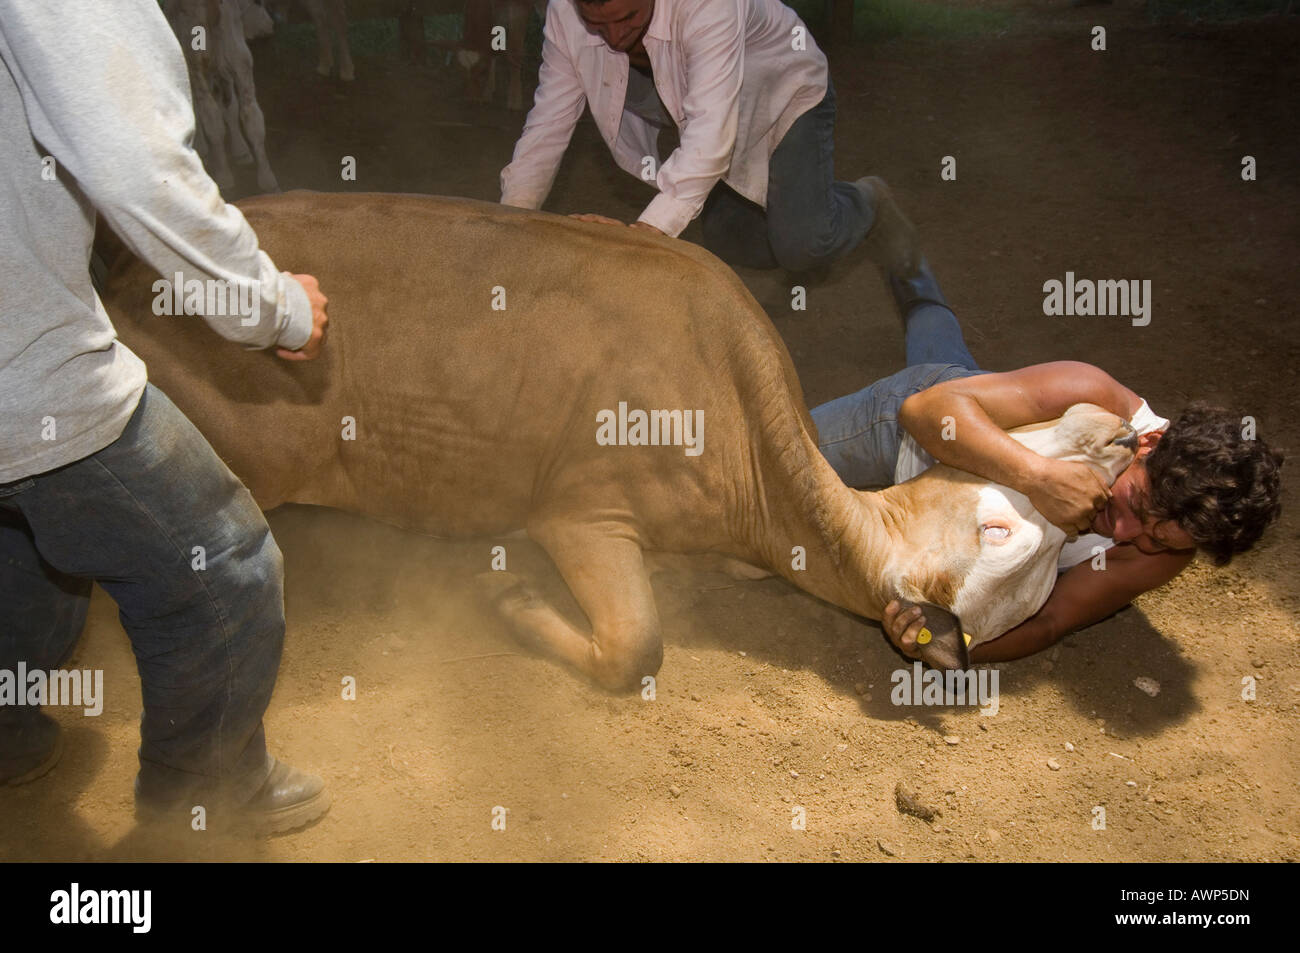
{"x":1117,"y":164}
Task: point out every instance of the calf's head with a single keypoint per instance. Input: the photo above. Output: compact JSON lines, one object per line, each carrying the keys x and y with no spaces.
{"x":979,"y":552}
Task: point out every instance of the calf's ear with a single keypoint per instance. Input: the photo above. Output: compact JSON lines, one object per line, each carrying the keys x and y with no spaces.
{"x":941,"y":642}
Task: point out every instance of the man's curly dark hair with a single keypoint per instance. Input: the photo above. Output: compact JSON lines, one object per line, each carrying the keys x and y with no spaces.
{"x":1218,"y":486}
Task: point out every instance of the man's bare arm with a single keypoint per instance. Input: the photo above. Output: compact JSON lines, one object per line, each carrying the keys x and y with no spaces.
{"x":979,"y":410}
{"x":1083,"y":596}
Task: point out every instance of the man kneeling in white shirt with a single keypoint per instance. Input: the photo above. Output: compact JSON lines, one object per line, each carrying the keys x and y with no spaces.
{"x":748,"y":91}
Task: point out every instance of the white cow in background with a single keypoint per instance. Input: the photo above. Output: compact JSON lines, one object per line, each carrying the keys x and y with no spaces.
{"x":229,"y":122}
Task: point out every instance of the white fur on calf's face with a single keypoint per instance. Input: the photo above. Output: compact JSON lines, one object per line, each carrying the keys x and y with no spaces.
{"x":1015,"y":569}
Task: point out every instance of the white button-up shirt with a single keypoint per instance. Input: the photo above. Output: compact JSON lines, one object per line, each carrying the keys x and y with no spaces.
{"x":733,"y":74}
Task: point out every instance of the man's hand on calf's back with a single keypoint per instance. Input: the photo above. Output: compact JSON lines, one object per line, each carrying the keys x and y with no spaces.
{"x":319,"y":319}
{"x":595,"y":219}
{"x":606,"y":220}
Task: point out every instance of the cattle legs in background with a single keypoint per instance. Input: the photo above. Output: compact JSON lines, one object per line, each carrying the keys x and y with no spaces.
{"x":257,"y":19}
{"x":494,"y":30}
{"x":410,"y":33}
{"x":480,"y":49}
{"x":229,"y":122}
{"x":330,"y":18}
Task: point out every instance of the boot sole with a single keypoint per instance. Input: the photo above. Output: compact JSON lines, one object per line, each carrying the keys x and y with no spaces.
{"x":260,"y":824}
{"x":293,"y":817}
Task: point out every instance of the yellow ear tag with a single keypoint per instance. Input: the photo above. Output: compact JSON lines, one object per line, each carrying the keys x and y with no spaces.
{"x":966,"y":636}
{"x":923,"y":637}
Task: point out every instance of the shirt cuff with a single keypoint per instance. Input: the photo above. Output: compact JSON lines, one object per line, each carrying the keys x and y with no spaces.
{"x":520,"y":200}
{"x":298,"y":321}
{"x":669,"y":215}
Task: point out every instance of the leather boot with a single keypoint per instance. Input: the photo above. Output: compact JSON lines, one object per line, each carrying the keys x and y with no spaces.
{"x":288,"y":799}
{"x":892,"y":241}
{"x":921,"y":288}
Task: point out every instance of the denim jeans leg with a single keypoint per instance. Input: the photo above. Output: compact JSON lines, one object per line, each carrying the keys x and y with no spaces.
{"x":42,"y":613}
{"x":933,"y":336}
{"x":735,"y":229}
{"x":859,"y":434}
{"x":812,"y":219}
{"x":206,"y":625}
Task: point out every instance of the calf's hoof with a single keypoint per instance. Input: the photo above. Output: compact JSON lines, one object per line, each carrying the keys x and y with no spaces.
{"x":505,"y":591}
{"x":513,"y":600}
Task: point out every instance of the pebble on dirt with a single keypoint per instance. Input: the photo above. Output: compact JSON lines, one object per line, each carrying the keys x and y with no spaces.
{"x":907,"y":803}
{"x":1148,"y":685}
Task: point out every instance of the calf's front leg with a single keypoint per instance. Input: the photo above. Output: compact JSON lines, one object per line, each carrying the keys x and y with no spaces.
{"x":606,"y":574}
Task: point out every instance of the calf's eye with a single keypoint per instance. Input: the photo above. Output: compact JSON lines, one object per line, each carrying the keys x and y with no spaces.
{"x":995,"y":532}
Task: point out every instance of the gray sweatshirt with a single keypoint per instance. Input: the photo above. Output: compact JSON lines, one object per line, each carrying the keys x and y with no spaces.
{"x":95,"y":114}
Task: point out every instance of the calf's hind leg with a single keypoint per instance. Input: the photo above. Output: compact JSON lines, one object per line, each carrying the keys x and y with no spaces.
{"x":607,"y":575}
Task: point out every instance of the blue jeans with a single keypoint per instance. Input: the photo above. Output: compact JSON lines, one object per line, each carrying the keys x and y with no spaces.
{"x":810,"y":220}
{"x":859,"y":434}
{"x":207,"y":641}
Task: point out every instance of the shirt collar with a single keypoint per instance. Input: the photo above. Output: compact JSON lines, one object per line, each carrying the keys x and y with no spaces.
{"x":660,"y":25}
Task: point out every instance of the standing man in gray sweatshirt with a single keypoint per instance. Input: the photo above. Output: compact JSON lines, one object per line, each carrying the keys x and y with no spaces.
{"x":101,"y":477}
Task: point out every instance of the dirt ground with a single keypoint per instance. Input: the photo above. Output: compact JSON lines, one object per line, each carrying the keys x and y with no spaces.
{"x":1120,"y":164}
